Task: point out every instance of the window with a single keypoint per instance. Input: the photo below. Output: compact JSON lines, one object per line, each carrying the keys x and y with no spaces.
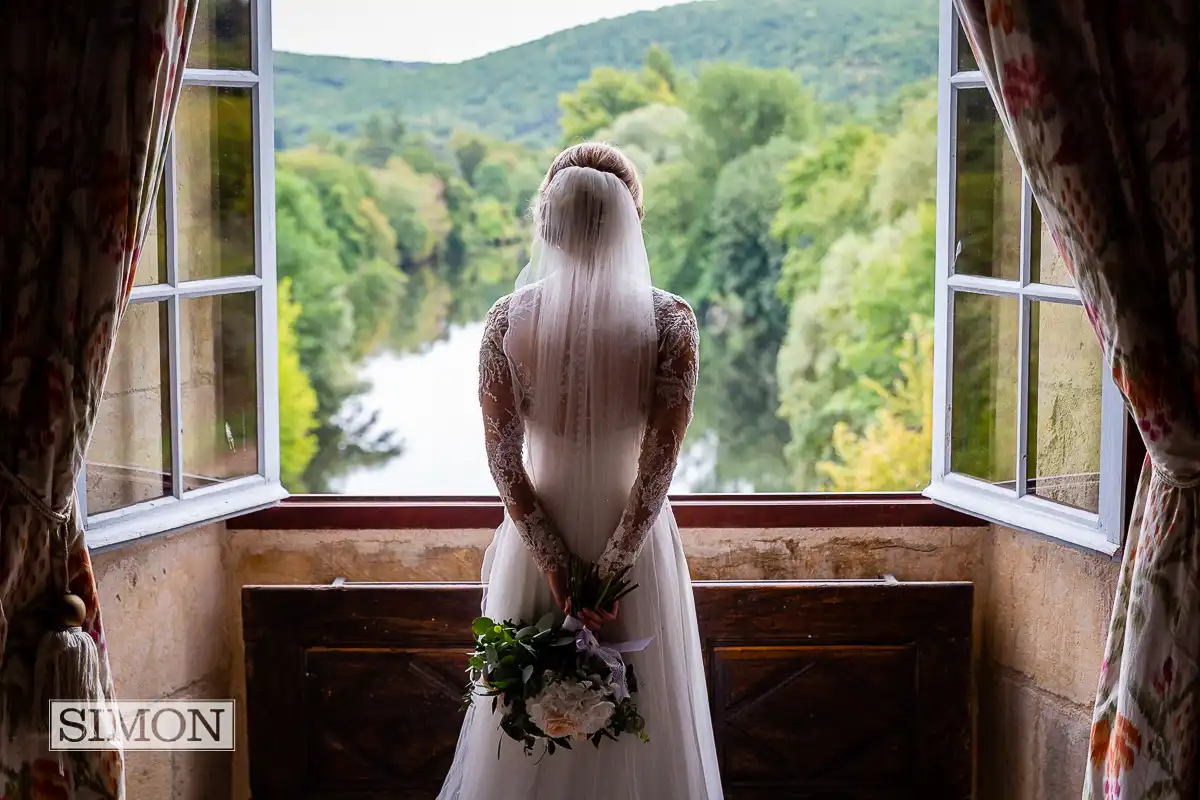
{"x":1028,"y":426}
{"x":187,"y":430}
{"x":867,"y":263}
{"x":790,"y":187}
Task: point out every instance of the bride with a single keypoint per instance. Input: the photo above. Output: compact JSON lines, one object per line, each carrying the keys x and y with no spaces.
{"x":586,"y":379}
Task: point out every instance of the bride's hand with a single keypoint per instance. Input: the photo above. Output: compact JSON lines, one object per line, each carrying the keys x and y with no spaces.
{"x":596,"y":620}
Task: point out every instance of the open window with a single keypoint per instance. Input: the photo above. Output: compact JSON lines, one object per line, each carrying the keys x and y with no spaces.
{"x":188,"y":429}
{"x":1029,"y":429}
{"x":1027,"y":425}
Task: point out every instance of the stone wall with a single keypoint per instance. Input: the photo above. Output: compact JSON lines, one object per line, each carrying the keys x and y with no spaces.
{"x":171,"y":610}
{"x":1045,"y":610}
{"x":170,"y":623}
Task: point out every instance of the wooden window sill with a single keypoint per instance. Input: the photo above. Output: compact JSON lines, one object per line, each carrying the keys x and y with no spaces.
{"x":337,"y":512}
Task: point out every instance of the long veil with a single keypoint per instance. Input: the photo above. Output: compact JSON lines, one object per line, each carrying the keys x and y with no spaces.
{"x":582,"y":345}
{"x":583,"y":332}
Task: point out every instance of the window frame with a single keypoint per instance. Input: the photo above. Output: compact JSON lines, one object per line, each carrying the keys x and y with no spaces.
{"x":183,"y":509}
{"x":252,"y":503}
{"x":1014,"y":508}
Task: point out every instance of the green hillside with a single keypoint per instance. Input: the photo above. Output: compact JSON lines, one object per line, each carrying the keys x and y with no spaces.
{"x":856,"y":51}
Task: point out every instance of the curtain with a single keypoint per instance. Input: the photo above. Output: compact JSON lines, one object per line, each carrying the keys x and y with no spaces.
{"x":1101,"y":103}
{"x":88,"y":92}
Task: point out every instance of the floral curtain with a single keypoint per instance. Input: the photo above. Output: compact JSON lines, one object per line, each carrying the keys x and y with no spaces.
{"x":88,"y":92}
{"x":1101,"y":101}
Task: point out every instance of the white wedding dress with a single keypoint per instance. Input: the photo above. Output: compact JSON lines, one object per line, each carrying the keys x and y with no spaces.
{"x":587,"y":473}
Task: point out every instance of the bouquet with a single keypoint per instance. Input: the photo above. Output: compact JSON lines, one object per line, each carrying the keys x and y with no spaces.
{"x":552,"y":680}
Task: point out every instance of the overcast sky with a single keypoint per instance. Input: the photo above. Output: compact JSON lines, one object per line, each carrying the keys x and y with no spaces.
{"x":432,"y":30}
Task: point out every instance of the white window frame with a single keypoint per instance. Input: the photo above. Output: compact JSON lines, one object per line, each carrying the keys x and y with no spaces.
{"x":1013,"y":508}
{"x":184,"y":509}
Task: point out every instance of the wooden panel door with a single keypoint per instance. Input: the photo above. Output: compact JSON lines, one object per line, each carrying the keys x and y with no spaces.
{"x":856,"y":689}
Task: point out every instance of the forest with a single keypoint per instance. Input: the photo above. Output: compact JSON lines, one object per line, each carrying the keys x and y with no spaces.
{"x":853,"y":54}
{"x":796,"y":217}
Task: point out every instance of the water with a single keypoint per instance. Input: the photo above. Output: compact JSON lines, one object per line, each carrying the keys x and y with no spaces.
{"x":430,"y":399}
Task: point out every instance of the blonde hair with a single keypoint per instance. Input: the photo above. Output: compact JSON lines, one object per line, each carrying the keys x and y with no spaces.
{"x":602,"y":157}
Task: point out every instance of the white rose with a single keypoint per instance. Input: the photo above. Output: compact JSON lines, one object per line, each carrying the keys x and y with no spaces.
{"x":570,"y":708}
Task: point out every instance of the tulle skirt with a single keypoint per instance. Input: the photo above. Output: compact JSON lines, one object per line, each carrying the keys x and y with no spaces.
{"x":680,"y":760}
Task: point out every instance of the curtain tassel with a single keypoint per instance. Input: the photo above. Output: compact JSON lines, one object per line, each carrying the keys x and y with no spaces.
{"x":68,"y":661}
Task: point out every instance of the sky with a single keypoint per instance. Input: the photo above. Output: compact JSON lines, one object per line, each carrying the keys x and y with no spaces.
{"x":432,"y":30}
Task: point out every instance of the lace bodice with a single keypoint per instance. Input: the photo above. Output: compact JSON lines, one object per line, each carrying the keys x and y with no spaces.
{"x":503,"y":393}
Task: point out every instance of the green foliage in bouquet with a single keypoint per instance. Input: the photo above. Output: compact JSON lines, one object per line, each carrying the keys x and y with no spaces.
{"x":514,"y":662}
{"x":588,"y":590}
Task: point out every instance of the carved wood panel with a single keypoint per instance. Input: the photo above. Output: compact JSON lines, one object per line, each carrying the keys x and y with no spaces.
{"x":795,"y":719}
{"x":818,"y":690}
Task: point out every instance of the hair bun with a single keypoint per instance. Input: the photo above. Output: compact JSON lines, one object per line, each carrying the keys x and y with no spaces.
{"x":602,"y":157}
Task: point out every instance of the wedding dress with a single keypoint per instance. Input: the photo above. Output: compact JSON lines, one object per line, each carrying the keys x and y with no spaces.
{"x":587,"y":375}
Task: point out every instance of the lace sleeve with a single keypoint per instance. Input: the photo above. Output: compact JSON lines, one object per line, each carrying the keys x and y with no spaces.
{"x":670,"y":413}
{"x":504,"y":435}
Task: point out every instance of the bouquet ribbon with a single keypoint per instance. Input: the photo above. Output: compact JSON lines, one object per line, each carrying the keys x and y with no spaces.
{"x":609,"y":653}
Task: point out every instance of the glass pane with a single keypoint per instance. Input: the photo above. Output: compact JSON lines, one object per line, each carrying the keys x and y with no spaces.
{"x":129,"y":458}
{"x":221,"y":39}
{"x":219,"y":373}
{"x":215,"y":174}
{"x":1064,"y":406}
{"x":965,"y":59}
{"x":152,"y":263}
{"x":987,"y":219}
{"x":1047,"y":264}
{"x":983,"y":425}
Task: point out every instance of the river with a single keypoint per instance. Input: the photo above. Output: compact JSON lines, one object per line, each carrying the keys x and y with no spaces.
{"x":429,"y":399}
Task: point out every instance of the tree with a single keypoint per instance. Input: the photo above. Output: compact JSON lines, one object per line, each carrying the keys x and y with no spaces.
{"x":859,"y":221}
{"x":893,"y":452}
{"x":339,"y":252}
{"x":307,"y":256}
{"x":381,"y":139}
{"x":491,"y":180}
{"x":297,"y":400}
{"x":677,"y":200}
{"x":825,"y":194}
{"x":469,"y":150}
{"x":658,"y":71}
{"x":415,"y":209}
{"x":603,"y":97}
{"x":664,"y":133}
{"x":741,"y":107}
{"x":907,"y":166}
{"x":745,"y":319}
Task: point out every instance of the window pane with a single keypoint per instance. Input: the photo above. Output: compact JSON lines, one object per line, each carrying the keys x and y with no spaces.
{"x":152,"y":264}
{"x":965,"y":59}
{"x":219,"y":372}
{"x":215,"y":176}
{"x":1047,"y":264}
{"x":987,"y":219}
{"x":221,"y":39}
{"x":1064,"y":406}
{"x":129,"y":458}
{"x":984,"y":391}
